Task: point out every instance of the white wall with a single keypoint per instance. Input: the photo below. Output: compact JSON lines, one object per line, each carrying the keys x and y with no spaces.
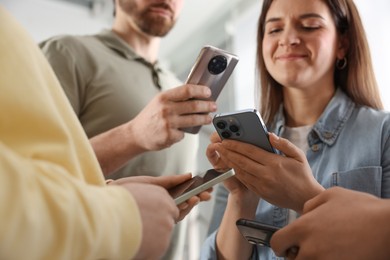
{"x":46,"y":18}
{"x":376,"y":19}
{"x":244,"y":45}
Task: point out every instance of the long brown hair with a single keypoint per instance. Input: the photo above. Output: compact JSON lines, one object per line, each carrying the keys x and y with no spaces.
{"x":357,"y":79}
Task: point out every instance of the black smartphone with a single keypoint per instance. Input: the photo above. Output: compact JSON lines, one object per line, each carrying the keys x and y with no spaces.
{"x":197,"y":184}
{"x":255,"y":232}
{"x":245,"y":126}
{"x":212,"y":68}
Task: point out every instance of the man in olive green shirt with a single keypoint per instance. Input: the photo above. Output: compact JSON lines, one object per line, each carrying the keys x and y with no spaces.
{"x":120,"y":93}
{"x":130,"y":106}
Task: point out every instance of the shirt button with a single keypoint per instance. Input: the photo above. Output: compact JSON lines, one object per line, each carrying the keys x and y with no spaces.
{"x":328,"y":135}
{"x":315,"y":148}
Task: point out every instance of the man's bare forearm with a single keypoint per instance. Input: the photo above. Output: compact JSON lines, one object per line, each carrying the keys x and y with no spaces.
{"x":114,"y":148}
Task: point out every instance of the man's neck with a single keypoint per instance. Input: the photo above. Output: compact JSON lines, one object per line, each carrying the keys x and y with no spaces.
{"x":144,"y":45}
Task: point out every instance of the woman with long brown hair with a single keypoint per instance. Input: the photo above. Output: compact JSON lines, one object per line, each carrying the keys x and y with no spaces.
{"x":319,"y":97}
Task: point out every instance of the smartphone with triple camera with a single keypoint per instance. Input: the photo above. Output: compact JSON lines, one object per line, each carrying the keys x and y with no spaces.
{"x":245,"y":126}
{"x":212,"y":68}
{"x":198,"y":184}
{"x":255,"y":232}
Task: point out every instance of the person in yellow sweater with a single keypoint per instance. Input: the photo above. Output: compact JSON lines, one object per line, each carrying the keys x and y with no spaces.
{"x":54,"y":202}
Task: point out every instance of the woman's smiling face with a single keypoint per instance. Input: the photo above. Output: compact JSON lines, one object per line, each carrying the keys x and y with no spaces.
{"x":301,"y":43}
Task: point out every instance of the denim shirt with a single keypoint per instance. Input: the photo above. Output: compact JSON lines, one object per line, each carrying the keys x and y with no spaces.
{"x":349,"y":147}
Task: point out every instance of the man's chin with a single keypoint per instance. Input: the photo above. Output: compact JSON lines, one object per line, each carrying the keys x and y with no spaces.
{"x":158,"y":27}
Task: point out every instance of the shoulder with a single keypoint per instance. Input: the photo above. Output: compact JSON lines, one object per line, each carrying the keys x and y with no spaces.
{"x":73,"y":51}
{"x":371,"y":115}
{"x":69,"y":44}
{"x":372,"y":120}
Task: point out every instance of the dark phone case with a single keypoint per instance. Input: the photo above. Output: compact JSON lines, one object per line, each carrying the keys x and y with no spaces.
{"x":251,"y":128}
{"x":256,"y":232}
{"x":182,"y":187}
{"x":193,"y":182}
{"x":197,"y":184}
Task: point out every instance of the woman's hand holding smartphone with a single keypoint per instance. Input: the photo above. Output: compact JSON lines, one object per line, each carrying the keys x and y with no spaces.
{"x":285,"y":181}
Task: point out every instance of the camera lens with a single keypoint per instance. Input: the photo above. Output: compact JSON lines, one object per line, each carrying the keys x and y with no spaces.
{"x":221,"y":124}
{"x":217,"y":64}
{"x":233,"y":128}
{"x":225,"y":134}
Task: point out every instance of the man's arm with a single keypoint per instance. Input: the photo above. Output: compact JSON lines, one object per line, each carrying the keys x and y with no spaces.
{"x":156,"y":127}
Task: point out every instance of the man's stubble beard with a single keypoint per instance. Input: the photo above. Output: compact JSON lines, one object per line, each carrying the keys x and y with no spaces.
{"x":155,"y":26}
{"x":146,"y":21}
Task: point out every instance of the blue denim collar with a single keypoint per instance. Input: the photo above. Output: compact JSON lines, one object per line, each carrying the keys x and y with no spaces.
{"x":332,"y":120}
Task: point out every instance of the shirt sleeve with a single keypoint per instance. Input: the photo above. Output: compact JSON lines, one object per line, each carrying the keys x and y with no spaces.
{"x":209,"y":250}
{"x":72,"y":75}
{"x":53,"y":200}
{"x":385,"y":158}
{"x":221,"y":196}
{"x":47,"y":214}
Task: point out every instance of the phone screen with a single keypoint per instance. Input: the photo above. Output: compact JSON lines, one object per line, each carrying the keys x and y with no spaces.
{"x":197,"y":184}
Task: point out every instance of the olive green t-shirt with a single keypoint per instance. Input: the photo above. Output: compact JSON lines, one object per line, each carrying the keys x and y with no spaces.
{"x":108,"y":84}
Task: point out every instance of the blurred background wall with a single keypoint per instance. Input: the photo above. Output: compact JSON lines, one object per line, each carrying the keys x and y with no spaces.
{"x":227,"y":24}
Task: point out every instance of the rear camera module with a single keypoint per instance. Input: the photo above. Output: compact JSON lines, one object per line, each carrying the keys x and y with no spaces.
{"x":225,"y":134}
{"x":221,"y":124}
{"x":217,"y":64}
{"x":233,"y":128}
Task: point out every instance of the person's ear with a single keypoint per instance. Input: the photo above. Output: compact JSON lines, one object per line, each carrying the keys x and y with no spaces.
{"x":343,"y":47}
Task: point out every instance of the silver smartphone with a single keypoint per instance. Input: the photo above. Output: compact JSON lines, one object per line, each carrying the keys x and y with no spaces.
{"x":245,"y":126}
{"x":198,"y":184}
{"x":212,"y":68}
{"x":256,"y":232}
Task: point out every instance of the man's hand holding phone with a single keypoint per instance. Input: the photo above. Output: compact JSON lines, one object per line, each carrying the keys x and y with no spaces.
{"x":158,"y":125}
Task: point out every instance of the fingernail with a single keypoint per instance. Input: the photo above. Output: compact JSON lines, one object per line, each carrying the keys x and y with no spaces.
{"x":207,"y":91}
{"x":292,"y":251}
{"x":184,"y":206}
